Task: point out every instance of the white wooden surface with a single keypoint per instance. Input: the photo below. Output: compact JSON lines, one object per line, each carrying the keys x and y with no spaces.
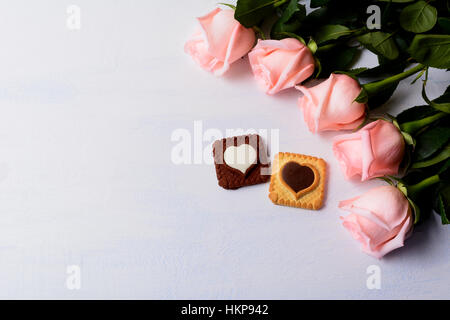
{"x":86,"y":176}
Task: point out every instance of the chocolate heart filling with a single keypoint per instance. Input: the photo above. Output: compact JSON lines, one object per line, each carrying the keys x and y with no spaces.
{"x":296,"y":176}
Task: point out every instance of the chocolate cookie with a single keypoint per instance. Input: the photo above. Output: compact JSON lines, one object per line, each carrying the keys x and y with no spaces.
{"x":241,"y":161}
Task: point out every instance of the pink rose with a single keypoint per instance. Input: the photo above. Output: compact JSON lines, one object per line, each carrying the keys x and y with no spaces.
{"x":278,"y":65}
{"x":220,"y":41}
{"x":380,"y":220}
{"x":374,"y":151}
{"x":330,"y":105}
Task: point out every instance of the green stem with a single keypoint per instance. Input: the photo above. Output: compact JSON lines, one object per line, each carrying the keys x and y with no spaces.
{"x":373,"y":87}
{"x":416,"y":188}
{"x":413,"y":126}
{"x":279,"y":3}
{"x":228,"y":5}
{"x":327,"y":47}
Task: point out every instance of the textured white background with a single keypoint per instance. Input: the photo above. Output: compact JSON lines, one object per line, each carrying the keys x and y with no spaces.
{"x":86,"y":176}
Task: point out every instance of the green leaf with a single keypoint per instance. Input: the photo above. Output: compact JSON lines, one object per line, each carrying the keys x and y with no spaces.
{"x":403,"y":188}
{"x":432,"y":50}
{"x":251,"y":12}
{"x":380,"y":43}
{"x":431,"y":141}
{"x":340,"y":58}
{"x":415,"y":113}
{"x":444,"y":23}
{"x":382,"y":96}
{"x":441,"y":156}
{"x":312,"y":45}
{"x":290,"y":19}
{"x":408,"y":139}
{"x":443,"y":210}
{"x":331,"y":32}
{"x":381,"y":90}
{"x":362,"y":97}
{"x":318,"y":66}
{"x":418,"y":17}
{"x":442,"y":202}
{"x":416,"y":211}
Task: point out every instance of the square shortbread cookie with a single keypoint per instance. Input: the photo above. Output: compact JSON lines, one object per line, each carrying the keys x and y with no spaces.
{"x":298,"y":181}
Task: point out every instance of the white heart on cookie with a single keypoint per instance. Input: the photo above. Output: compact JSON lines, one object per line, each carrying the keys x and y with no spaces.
{"x":240,"y":158}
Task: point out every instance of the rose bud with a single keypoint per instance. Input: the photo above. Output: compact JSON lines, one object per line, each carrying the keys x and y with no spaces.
{"x":220,"y":41}
{"x":380,"y":220}
{"x":330,"y":105}
{"x":374,"y":151}
{"x":278,"y":65}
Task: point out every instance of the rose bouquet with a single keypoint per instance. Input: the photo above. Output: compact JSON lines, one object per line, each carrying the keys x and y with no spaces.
{"x":411,"y":151}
